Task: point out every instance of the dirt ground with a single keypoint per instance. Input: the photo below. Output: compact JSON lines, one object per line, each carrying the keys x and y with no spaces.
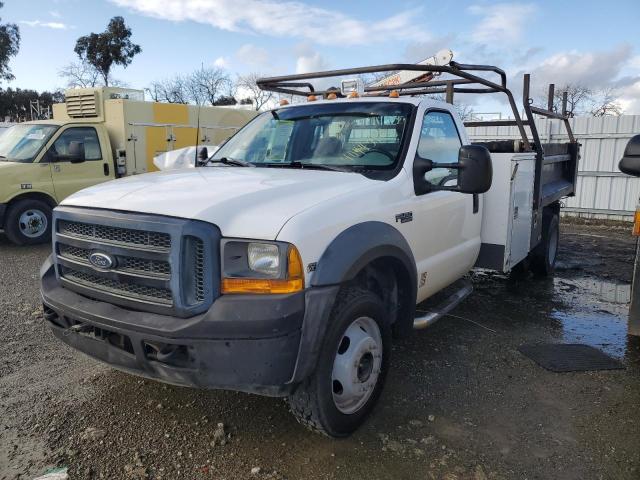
{"x":461,"y":402}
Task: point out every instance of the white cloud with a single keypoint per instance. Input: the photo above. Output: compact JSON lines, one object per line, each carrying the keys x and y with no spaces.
{"x":55,"y":14}
{"x":40,"y":23}
{"x":285,"y":19}
{"x":502,"y":22}
{"x":309,"y":60}
{"x":630,"y":99}
{"x":252,"y":55}
{"x":591,"y":69}
{"x":594,"y":70}
{"x":221,"y":62}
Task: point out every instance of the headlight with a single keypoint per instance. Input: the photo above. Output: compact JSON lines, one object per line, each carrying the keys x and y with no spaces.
{"x":260,"y":267}
{"x":264,"y":258}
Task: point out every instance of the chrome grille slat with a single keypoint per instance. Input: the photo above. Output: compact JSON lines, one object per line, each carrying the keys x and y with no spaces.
{"x":199,"y":272}
{"x":131,"y":290}
{"x":116,"y":235}
{"x":141,"y":266}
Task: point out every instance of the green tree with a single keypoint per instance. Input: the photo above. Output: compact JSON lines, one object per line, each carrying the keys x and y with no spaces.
{"x":9,"y":46}
{"x":111,"y":47}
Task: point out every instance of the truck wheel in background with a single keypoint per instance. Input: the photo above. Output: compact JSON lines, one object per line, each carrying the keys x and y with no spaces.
{"x":28,"y":222}
{"x":352,"y":366}
{"x":543,"y":257}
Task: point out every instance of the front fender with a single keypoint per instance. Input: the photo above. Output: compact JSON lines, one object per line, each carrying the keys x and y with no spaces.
{"x":358,"y":246}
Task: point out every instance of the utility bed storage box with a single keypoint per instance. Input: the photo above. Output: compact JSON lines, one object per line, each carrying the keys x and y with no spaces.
{"x":508,"y":212}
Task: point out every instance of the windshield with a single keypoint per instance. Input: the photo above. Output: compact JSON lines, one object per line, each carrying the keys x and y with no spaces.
{"x":21,"y":143}
{"x":354,"y":135}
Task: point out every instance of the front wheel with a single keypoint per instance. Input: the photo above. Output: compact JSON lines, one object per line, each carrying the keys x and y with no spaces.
{"x":28,"y":222}
{"x":352,"y":365}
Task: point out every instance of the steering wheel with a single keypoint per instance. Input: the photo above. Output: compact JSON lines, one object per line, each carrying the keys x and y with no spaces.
{"x":378,"y":150}
{"x":451,"y":176}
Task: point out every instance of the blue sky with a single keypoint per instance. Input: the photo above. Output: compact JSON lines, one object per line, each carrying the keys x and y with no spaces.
{"x":594,"y":43}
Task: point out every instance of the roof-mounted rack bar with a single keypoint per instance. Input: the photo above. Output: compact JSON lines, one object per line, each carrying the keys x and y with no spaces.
{"x":466,"y":78}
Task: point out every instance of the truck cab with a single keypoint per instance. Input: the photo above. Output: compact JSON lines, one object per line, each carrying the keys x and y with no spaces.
{"x":288,"y":263}
{"x":97,"y":134}
{"x":43,"y":162}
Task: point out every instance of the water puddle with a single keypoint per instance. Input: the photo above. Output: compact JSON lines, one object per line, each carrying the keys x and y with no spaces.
{"x":597,"y":313}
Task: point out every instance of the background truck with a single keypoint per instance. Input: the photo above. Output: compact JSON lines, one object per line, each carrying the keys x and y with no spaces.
{"x":96,"y":135}
{"x":288,"y":264}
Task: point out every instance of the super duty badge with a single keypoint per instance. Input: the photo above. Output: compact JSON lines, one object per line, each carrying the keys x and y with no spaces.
{"x":404,"y":217}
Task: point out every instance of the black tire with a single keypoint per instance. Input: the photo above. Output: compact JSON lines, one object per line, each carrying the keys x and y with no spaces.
{"x":33,"y":210}
{"x":543,"y":257}
{"x":313,"y":403}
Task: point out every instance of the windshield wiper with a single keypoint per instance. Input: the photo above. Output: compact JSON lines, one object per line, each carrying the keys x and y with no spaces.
{"x":232,"y":161}
{"x":317,"y":166}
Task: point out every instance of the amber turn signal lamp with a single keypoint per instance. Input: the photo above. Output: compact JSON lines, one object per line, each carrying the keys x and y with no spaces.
{"x":636,"y":223}
{"x":394,"y":94}
{"x":332,"y":96}
{"x":311,"y":98}
{"x":284,"y":102}
{"x":294,"y":281}
{"x":353,"y":95}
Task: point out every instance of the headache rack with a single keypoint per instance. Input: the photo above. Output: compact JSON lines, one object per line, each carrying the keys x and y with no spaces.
{"x":556,"y":164}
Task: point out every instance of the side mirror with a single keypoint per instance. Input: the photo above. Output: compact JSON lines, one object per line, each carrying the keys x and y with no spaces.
{"x":203,"y":154}
{"x":76,"y":152}
{"x":475,"y":171}
{"x":630,"y":163}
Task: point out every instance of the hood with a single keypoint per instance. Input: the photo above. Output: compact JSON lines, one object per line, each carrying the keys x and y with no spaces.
{"x":241,"y":201}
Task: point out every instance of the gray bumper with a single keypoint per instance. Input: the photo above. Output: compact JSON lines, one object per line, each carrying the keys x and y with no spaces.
{"x":253,"y":343}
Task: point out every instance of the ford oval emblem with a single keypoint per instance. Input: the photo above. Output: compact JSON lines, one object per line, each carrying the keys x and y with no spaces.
{"x":102,"y":260}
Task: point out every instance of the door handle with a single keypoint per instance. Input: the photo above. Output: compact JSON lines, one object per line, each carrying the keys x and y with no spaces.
{"x":106,"y":169}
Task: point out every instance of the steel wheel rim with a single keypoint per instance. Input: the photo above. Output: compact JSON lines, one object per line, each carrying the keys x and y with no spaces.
{"x":356,"y":366}
{"x":33,"y":223}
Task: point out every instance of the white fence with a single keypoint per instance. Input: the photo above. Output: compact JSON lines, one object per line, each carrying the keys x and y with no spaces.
{"x":602,"y":190}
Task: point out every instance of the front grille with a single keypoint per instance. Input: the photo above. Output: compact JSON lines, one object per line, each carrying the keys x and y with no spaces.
{"x":124,"y":263}
{"x":122,"y":236}
{"x":199,"y":272}
{"x":131,"y":290}
{"x":158,"y":264}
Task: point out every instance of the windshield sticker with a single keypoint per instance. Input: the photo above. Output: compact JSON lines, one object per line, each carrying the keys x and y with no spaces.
{"x":39,"y":135}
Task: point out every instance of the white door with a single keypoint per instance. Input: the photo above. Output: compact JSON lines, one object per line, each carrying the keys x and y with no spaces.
{"x":445,"y":232}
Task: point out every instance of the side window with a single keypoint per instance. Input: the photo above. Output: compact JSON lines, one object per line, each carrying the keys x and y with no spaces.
{"x":77,"y":141}
{"x":440,"y":143}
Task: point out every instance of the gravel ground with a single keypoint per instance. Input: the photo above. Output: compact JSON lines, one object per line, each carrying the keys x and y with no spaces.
{"x":461,"y":402}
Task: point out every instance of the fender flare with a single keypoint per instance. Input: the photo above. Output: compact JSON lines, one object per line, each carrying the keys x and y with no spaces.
{"x":359,"y":245}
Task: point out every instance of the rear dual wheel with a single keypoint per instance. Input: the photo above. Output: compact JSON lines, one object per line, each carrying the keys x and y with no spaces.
{"x":543,"y":257}
{"x":352,"y":367}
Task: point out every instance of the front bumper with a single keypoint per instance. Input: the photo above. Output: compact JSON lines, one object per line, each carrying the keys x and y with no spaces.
{"x":253,"y":343}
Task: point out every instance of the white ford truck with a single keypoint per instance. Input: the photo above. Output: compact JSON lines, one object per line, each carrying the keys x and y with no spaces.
{"x":287,"y":264}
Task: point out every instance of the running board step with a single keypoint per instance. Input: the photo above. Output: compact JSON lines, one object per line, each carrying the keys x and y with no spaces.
{"x":435,"y":313}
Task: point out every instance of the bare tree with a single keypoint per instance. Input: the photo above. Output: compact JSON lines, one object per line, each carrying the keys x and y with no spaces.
{"x":80,"y":75}
{"x":203,"y":87}
{"x":582,"y":100}
{"x":207,"y":85}
{"x":247,"y":87}
{"x":578,"y":98}
{"x":605,"y":102}
{"x":172,"y":90}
